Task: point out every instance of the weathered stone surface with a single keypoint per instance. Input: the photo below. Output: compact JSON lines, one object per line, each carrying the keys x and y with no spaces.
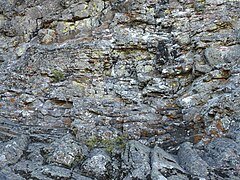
{"x":217,"y":56}
{"x":12,"y":151}
{"x":136,"y":160}
{"x":8,"y":174}
{"x":223,"y":152}
{"x":66,"y":151}
{"x":97,"y":165}
{"x":51,"y":172}
{"x":191,"y":161}
{"x":160,"y":72}
{"x":3,"y":176}
{"x":164,"y":165}
{"x":34,"y":152}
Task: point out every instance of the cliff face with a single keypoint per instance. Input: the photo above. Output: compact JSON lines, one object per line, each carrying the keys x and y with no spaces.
{"x":105,"y":73}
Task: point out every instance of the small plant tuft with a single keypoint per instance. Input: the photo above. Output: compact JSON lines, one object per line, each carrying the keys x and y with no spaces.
{"x":92,"y":142}
{"x":110,"y":144}
{"x":57,"y":75}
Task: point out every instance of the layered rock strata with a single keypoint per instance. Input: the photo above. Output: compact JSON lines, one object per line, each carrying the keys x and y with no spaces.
{"x":119,"y":89}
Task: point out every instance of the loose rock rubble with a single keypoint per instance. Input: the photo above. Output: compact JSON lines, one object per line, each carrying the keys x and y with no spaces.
{"x":119,"y":89}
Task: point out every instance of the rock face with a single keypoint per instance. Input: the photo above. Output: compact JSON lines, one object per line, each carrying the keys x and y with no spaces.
{"x":191,"y":161}
{"x":98,"y":164}
{"x":150,"y":86}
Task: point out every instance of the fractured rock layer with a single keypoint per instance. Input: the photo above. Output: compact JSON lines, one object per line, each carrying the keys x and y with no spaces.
{"x":104,"y":73}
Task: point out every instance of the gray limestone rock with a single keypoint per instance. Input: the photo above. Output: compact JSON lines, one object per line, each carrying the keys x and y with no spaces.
{"x":65,"y":151}
{"x":51,"y":172}
{"x":216,"y":56}
{"x":136,"y":160}
{"x":191,"y":161}
{"x":158,"y":72}
{"x":178,"y":177}
{"x":13,"y":150}
{"x":76,"y":176}
{"x":223,"y":152}
{"x":8,"y":174}
{"x":163,"y":164}
{"x":3,"y":176}
{"x":97,"y":165}
{"x":34,"y":152}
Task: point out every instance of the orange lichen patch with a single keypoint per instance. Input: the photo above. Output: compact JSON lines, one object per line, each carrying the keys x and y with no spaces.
{"x":151,"y":132}
{"x":219,"y":126}
{"x":12,"y":100}
{"x":197,"y":138}
{"x":145,"y":133}
{"x":65,"y":104}
{"x":67,"y":122}
{"x":214,"y":133}
{"x":226,"y":73}
{"x":171,"y":116}
{"x":171,"y":105}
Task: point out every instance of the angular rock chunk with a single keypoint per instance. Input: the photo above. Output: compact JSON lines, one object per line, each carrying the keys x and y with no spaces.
{"x":219,"y":55}
{"x":97,"y":165}
{"x":65,"y":151}
{"x":51,"y":172}
{"x":163,"y":163}
{"x":8,"y":174}
{"x":191,"y":161}
{"x":3,"y":176}
{"x":223,"y":152}
{"x":34,"y":152}
{"x":12,"y":151}
{"x":136,"y":160}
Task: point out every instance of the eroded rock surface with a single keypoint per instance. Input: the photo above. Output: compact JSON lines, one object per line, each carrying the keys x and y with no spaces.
{"x":119,"y":89}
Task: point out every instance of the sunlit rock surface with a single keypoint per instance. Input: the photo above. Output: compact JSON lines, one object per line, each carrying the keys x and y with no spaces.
{"x":119,"y":89}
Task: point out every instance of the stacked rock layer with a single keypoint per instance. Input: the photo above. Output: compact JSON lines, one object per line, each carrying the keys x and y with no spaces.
{"x":119,"y":89}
